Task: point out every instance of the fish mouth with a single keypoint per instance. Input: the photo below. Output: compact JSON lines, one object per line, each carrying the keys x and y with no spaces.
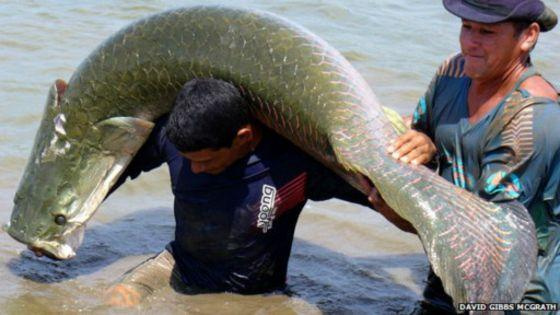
{"x":61,"y":248}
{"x":40,"y":252}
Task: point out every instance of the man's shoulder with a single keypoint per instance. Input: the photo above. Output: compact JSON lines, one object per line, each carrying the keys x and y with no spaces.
{"x":450,"y":78}
{"x":452,"y":67}
{"x":275,"y":146}
{"x":282,"y":156}
{"x":540,"y":87}
{"x":444,"y":97}
{"x":532,"y":123}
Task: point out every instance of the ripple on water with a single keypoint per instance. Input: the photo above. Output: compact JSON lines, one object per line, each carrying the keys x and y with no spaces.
{"x":335,"y":12}
{"x":15,"y":87}
{"x":22,"y":120}
{"x":11,"y":168}
{"x":353,"y":55}
{"x":19,"y":44}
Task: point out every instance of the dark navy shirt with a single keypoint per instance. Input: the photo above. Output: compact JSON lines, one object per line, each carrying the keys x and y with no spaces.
{"x":234,"y":230}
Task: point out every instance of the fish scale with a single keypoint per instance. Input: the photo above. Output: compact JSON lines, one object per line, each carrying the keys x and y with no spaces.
{"x":297,"y":85}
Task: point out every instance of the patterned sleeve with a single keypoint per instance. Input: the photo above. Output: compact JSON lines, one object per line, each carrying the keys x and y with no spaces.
{"x":421,"y":117}
{"x":518,"y":162}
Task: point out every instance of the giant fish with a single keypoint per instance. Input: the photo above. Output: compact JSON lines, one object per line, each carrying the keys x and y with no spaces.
{"x":297,"y":85}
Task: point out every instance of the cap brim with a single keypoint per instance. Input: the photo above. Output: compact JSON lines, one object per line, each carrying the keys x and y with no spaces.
{"x":547,"y":20}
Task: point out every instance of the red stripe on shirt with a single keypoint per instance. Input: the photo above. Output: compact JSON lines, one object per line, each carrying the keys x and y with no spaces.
{"x":290,"y":195}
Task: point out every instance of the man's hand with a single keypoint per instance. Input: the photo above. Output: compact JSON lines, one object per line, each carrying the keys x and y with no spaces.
{"x":382,"y":207}
{"x":413,"y":147}
{"x":122,"y":295}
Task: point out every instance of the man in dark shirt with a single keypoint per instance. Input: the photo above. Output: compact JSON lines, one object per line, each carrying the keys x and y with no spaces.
{"x":239,"y":189}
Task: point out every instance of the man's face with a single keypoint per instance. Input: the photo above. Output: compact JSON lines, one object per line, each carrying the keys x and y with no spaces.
{"x":211,"y":161}
{"x":489,"y":49}
{"x":215,"y":161}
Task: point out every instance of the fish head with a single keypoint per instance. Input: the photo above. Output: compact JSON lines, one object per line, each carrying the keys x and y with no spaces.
{"x":72,"y":167}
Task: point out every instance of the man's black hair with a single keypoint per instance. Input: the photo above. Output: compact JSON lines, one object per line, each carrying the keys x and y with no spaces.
{"x":519,"y":26}
{"x":207,"y":114}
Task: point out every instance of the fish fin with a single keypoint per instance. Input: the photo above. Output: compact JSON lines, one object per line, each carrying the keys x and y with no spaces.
{"x":124,"y":134}
{"x":396,"y":120}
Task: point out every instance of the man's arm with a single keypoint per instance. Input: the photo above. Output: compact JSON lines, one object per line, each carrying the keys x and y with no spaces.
{"x":379,"y":204}
{"x":382,"y":207}
{"x":324,"y":184}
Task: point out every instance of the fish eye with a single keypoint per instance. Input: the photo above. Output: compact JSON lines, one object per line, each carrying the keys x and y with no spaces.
{"x":60,"y":219}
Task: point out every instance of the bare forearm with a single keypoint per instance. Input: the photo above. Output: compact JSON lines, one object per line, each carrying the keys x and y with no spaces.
{"x":377,"y":202}
{"x":382,"y":207}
